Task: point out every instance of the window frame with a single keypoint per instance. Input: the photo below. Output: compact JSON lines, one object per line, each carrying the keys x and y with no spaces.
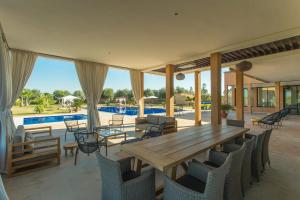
{"x":268,"y":102}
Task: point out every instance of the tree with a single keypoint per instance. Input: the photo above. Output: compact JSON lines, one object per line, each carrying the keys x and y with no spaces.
{"x":191,"y":91}
{"x":25,"y":96}
{"x":108,"y":94}
{"x":57,"y":94}
{"x":205,"y":96}
{"x":180,"y":90}
{"x":162,"y":93}
{"x":77,"y":103}
{"x":148,"y":92}
{"x":155,"y":92}
{"x":121,"y":93}
{"x":48,"y":99}
{"x":79,"y":94}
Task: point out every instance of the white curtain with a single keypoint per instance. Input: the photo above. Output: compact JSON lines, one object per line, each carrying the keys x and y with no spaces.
{"x":15,"y":69}
{"x":22,"y":66}
{"x":6,"y":122}
{"x":136,"y":85}
{"x":92,"y":77}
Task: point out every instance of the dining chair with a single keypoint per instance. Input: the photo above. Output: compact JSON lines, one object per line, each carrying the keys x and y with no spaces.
{"x":3,"y":194}
{"x":201,"y":182}
{"x":265,"y":150}
{"x":120,"y":182}
{"x":233,"y":187}
{"x":257,"y":166}
{"x":246,"y":166}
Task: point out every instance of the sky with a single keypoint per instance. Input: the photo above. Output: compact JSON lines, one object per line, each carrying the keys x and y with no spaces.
{"x":52,"y":74}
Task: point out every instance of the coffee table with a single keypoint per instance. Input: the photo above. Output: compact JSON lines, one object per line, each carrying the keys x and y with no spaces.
{"x":105,"y":134}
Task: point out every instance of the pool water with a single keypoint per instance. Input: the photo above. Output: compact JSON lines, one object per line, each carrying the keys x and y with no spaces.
{"x":131,"y":110}
{"x":49,"y":119}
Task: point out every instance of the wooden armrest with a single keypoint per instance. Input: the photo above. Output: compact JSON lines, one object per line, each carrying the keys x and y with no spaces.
{"x":140,"y":120}
{"x":37,"y":141}
{"x":82,"y":123}
{"x":43,"y":129}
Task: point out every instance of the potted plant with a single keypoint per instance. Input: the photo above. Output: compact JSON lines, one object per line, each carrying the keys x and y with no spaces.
{"x":224,"y":110}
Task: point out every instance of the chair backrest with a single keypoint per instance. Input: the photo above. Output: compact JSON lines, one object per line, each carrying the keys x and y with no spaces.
{"x":87,"y":142}
{"x":233,"y":178}
{"x":265,"y":148}
{"x":69,"y":123}
{"x":117,"y":119}
{"x":215,"y":181}
{"x":238,"y":123}
{"x":3,"y":194}
{"x":257,"y":153}
{"x":111,"y":178}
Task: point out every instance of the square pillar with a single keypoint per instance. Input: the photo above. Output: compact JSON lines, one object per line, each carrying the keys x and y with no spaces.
{"x":249,"y":98}
{"x":277,"y":96}
{"x":197,"y":98}
{"x":215,"y":66}
{"x":141,"y":100}
{"x":239,"y":95}
{"x":170,"y":90}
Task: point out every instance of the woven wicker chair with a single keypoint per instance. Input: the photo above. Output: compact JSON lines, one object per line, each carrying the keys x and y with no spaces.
{"x":201,"y":183}
{"x":257,"y":166}
{"x":120,"y":182}
{"x":3,"y":194}
{"x":233,"y":178}
{"x":246,"y":167}
{"x":265,"y":151}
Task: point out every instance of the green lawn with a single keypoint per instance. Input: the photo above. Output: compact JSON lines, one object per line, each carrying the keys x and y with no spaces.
{"x":29,"y":110}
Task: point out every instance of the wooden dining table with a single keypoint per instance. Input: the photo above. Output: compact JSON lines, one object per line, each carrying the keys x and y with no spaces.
{"x":168,"y":151}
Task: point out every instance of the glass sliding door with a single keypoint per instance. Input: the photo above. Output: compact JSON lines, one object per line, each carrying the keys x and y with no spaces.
{"x":292,"y":98}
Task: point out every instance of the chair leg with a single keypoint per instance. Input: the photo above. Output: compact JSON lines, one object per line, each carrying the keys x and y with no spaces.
{"x":66,"y":135}
{"x":106,"y":150}
{"x":76,"y":153}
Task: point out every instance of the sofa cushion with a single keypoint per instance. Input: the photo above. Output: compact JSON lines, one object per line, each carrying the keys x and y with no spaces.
{"x":19,"y":137}
{"x":163,"y":119}
{"x":153,"y":119}
{"x":143,"y":126}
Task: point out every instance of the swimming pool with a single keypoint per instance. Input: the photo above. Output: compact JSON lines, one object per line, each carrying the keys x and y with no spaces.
{"x":131,"y":110}
{"x":49,"y":119}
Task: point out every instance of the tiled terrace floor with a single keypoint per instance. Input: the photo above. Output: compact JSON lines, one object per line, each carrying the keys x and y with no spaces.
{"x":281,"y":181}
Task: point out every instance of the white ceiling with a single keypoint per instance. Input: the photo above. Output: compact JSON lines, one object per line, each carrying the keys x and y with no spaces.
{"x":282,"y":68}
{"x":141,"y":33}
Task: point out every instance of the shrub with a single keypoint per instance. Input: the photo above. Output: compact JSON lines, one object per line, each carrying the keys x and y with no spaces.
{"x":39,"y":108}
{"x":226,"y":107}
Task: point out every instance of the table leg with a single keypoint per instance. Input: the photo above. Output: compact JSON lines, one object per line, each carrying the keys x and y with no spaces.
{"x":106,"y":140}
{"x":184,"y":166}
{"x":66,"y":153}
{"x":125,"y":136}
{"x":174,"y":172}
{"x":138,"y":166}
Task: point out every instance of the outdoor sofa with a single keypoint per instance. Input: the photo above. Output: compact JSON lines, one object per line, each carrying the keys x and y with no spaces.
{"x":31,"y":147}
{"x":156,"y":122}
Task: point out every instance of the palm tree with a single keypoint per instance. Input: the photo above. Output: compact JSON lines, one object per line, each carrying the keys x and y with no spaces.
{"x":26,"y":95}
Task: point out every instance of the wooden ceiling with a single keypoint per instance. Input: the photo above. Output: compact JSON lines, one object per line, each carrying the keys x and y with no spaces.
{"x":274,"y":47}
